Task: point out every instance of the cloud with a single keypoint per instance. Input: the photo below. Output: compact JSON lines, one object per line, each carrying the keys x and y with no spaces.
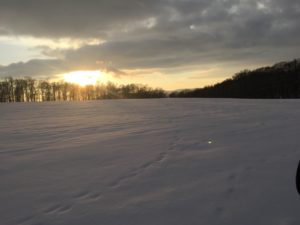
{"x":142,"y":34}
{"x":71,"y":18}
{"x":35,"y":68}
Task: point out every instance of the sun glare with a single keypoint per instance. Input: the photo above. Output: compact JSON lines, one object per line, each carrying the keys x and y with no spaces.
{"x":84,"y":77}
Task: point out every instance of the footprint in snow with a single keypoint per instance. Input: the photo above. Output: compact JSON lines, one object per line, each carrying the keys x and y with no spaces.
{"x":230,"y":190}
{"x":232,"y":176}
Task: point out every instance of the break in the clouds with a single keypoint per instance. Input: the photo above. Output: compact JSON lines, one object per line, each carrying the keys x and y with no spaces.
{"x":161,"y":35}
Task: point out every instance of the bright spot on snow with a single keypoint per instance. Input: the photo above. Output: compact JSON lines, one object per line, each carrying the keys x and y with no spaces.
{"x":193,"y":27}
{"x":260,"y":6}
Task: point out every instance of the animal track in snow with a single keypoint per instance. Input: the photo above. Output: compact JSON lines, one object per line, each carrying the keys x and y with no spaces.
{"x":88,"y":196}
{"x":156,"y":161}
{"x":58,"y":209}
{"x":137,"y":172}
{"x":64,"y":209}
{"x":51,"y":209}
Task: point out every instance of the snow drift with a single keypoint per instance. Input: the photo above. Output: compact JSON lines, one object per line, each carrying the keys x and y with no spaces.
{"x":150,"y":162}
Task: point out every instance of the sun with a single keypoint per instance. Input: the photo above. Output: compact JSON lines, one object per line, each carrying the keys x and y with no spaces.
{"x":84,"y":78}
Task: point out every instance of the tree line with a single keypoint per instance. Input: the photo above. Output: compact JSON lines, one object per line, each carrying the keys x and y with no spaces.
{"x":279,"y":81}
{"x":31,"y":90}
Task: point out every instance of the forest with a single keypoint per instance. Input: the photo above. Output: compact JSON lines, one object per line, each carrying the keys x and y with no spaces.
{"x":279,"y":81}
{"x":31,"y":90}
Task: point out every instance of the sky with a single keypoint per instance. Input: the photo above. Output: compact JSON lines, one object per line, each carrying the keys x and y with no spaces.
{"x":172,"y":44}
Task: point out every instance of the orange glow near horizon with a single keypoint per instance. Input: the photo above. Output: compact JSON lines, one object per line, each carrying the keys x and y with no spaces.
{"x":84,"y":78}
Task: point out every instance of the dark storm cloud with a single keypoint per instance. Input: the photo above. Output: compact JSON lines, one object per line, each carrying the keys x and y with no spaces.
{"x":154,"y":34}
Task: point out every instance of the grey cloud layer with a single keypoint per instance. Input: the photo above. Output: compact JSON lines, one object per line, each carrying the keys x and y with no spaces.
{"x":153,"y":34}
{"x":70,"y":18}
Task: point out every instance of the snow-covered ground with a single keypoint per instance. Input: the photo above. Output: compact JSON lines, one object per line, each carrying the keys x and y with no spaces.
{"x":150,"y":162}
